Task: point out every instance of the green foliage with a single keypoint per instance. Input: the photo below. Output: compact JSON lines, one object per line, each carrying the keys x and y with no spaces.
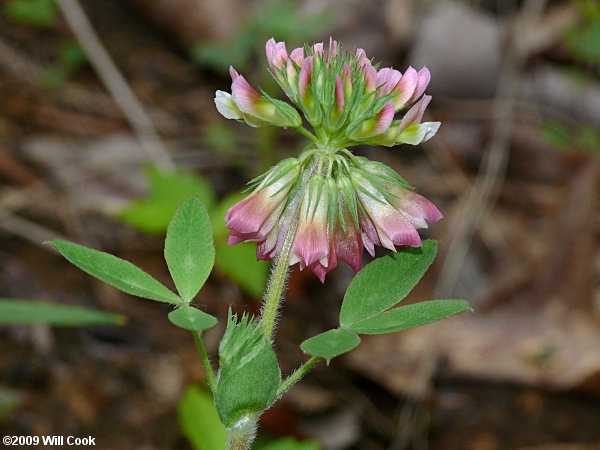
{"x":16,"y":311}
{"x":71,"y":59}
{"x":584,"y":137}
{"x":379,"y":286}
{"x":222,"y":139}
{"x":583,"y":39}
{"x":52,"y":77}
{"x":331,"y":343}
{"x":249,"y":374}
{"x":10,"y":400}
{"x":385,"y":282}
{"x":38,"y":13}
{"x":189,"y":248}
{"x":192,"y":319}
{"x":167,"y":190}
{"x":199,"y":419}
{"x":289,"y":443}
{"x":72,"y":56}
{"x":278,"y":18}
{"x":115,"y":271}
{"x":556,"y":134}
{"x":410,"y":316}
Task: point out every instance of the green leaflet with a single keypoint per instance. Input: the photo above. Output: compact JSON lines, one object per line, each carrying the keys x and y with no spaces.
{"x":115,"y":271}
{"x":331,"y":343}
{"x":410,"y":316}
{"x":192,"y":319}
{"x":17,"y":311}
{"x":385,"y":282}
{"x":189,"y":248}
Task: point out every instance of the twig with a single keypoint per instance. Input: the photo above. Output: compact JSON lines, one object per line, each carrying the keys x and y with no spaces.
{"x":116,"y":84}
{"x":28,"y":230}
{"x":484,"y":192}
{"x":481,"y":198}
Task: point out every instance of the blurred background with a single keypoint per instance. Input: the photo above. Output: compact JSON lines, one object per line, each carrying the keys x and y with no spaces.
{"x":107,"y":124}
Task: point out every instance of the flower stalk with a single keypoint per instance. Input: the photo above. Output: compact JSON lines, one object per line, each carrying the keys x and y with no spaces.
{"x":210,"y":374}
{"x":276,"y":286}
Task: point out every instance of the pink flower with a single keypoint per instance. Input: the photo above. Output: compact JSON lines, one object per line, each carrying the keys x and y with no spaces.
{"x":336,"y":217}
{"x":277,"y":54}
{"x":311,"y":243}
{"x":253,"y":218}
{"x":410,"y":130}
{"x":330,"y":204}
{"x":245,"y":103}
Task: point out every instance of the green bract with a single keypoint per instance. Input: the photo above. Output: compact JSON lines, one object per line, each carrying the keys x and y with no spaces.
{"x":249,"y":374}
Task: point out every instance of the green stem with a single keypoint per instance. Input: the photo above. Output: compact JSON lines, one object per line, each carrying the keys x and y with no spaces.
{"x":297,"y":375}
{"x":306,"y":133}
{"x":279,"y":275}
{"x":212,"y":382}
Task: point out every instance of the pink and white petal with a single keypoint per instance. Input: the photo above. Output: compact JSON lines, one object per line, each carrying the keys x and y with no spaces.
{"x":431,"y":129}
{"x":318,"y":48}
{"x":415,"y":134}
{"x":280,"y":55}
{"x":423,"y":79}
{"x":334,"y":47}
{"x":349,"y":246}
{"x":415,"y":113}
{"x":388,"y":138}
{"x":248,"y":215}
{"x":375,"y":125}
{"x":235,"y":238}
{"x":369,"y":235}
{"x":392,"y":227}
{"x":405,"y":88}
{"x":305,"y":77}
{"x":361,"y":56}
{"x":297,"y":55}
{"x":322,"y":268}
{"x":269,"y":46}
{"x":370,"y":74}
{"x":384,"y":118}
{"x":339,"y":94}
{"x":245,"y":96}
{"x":265,"y":248}
{"x":226,"y":106}
{"x":311,"y":242}
{"x":233,"y":73}
{"x":387,"y":79}
{"x":346,"y":73}
{"x":292,"y":73}
{"x":418,"y":206}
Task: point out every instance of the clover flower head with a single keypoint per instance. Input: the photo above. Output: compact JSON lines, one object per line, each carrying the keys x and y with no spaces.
{"x":334,"y":203}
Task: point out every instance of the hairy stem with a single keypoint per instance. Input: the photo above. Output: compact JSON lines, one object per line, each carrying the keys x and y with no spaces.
{"x":241,"y":435}
{"x":279,"y":275}
{"x":210,"y":374}
{"x":297,"y":375}
{"x":277,"y":284}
